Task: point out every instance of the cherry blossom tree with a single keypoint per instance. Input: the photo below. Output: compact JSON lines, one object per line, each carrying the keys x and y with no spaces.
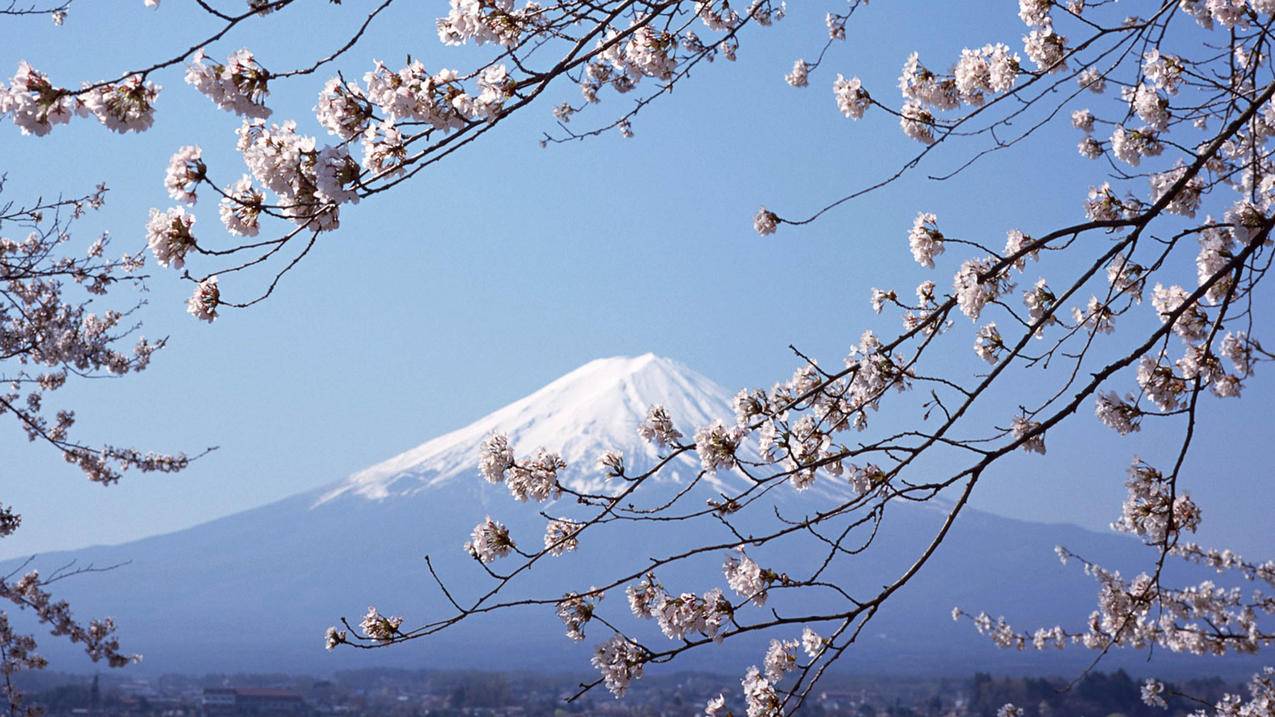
{"x":1141,"y":309}
{"x":54,"y":329}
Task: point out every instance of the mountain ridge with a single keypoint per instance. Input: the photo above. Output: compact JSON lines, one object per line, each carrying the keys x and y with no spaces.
{"x":255,"y":590}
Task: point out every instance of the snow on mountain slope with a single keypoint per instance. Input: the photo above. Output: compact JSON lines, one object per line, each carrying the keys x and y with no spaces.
{"x":594,"y":408}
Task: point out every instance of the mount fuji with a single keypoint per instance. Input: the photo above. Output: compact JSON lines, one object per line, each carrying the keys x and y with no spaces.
{"x":254,"y":591}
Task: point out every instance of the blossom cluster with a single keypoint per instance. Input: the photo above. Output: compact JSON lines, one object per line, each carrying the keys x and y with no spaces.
{"x":36,"y":105}
{"x":534,"y":478}
{"x":53,"y":330}
{"x":238,"y":85}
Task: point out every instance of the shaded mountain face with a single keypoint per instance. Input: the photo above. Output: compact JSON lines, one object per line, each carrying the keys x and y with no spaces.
{"x":255,"y":591}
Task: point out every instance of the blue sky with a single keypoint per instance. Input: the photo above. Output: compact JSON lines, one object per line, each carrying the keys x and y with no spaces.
{"x":509,"y":265}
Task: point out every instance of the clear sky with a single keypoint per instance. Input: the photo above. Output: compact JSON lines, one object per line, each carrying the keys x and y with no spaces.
{"x":509,"y":265}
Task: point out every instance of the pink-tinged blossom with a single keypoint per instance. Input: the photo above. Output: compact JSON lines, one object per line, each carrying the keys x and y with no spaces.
{"x":185,"y":171}
{"x":1247,"y":220}
{"x":532,"y":478}
{"x":1131,"y":145}
{"x":1092,"y":79}
{"x":1034,"y":13}
{"x":1191,"y":324}
{"x":489,"y":540}
{"x":799,"y":76}
{"x":1028,"y":431}
{"x":343,"y":109}
{"x":1187,"y":199}
{"x":1046,"y":48}
{"x":1082,"y":120}
{"x":976,"y":284}
{"x":765,"y":222}
{"x":716,"y":444}
{"x":1217,"y":246}
{"x":925,"y":240}
{"x":925,"y":293}
{"x":924,"y":88}
{"x":1163,"y":70}
{"x":764,"y":14}
{"x":687,"y":613}
{"x":645,"y":596}
{"x":240,"y":209}
{"x":1160,"y":384}
{"x":619,"y":661}
{"x":125,"y":107}
{"x":748,"y":579}
{"x":560,"y":536}
{"x":9,"y":521}
{"x":1127,"y":277}
{"x":999,"y":631}
{"x":335,"y":173}
{"x":496,"y":21}
{"x":749,"y":405}
{"x":379,"y":627}
{"x":759,"y":695}
{"x":611,"y":463}
{"x":1199,"y":363}
{"x":1237,"y":348}
{"x":917,"y":123}
{"x":880,"y":297}
{"x":29,"y":592}
{"x":864,"y":478}
{"x":169,"y":235}
{"x":781,"y":658}
{"x":384,"y":150}
{"x":852,"y":99}
{"x":717,"y":16}
{"x":809,"y":451}
{"x":987,"y":343}
{"x":836,"y":25}
{"x":310,"y":182}
{"x":1121,"y":415}
{"x":238,"y":85}
{"x":813,"y":644}
{"x":204,"y":302}
{"x":658,"y":428}
{"x":495,"y":458}
{"x":992,"y":68}
{"x":410,"y":93}
{"x":1149,"y":105}
{"x":1227,"y":13}
{"x":334,"y":637}
{"x":34,"y":103}
{"x":1103,"y":205}
{"x":575,"y":611}
{"x":1016,"y":242}
{"x":495,"y":87}
{"x":1151,"y":509}
{"x":1097,"y":316}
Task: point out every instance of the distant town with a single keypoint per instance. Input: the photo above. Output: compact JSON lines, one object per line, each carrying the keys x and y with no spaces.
{"x":405,"y":693}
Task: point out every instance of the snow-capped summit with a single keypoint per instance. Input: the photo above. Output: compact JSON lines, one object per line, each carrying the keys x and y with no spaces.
{"x":592,"y":409}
